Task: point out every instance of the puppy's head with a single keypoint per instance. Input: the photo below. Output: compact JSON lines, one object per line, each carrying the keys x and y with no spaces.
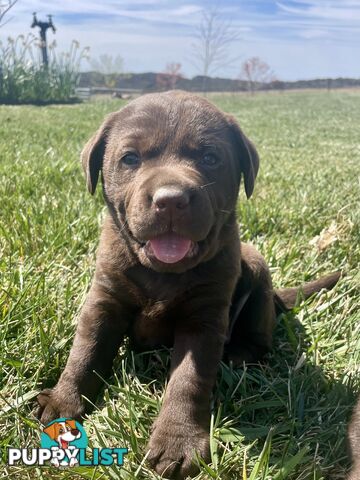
{"x":171,"y":167}
{"x":62,"y":429}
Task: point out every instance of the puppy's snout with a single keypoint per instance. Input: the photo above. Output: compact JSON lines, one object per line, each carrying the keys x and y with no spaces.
{"x":170,"y":199}
{"x":75,"y":432}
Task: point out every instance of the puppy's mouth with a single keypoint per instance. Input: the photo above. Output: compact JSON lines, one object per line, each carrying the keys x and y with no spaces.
{"x":64,"y":444}
{"x":170,"y":248}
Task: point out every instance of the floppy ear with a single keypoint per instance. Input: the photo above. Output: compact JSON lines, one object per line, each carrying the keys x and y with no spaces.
{"x":247,"y":155}
{"x":71,"y":424}
{"x":51,"y":431}
{"x":93,"y":153}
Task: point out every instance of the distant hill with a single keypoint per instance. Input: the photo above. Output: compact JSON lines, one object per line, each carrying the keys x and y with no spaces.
{"x":147,"y":82}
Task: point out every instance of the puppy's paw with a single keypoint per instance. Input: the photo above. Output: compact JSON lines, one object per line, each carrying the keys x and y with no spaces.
{"x":73,"y":462}
{"x":173,"y":449}
{"x":59,"y":402}
{"x":55,"y":462}
{"x":240,"y":354}
{"x":45,"y":412}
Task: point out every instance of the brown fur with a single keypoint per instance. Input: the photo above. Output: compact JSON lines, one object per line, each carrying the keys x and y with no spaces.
{"x":185,"y":304}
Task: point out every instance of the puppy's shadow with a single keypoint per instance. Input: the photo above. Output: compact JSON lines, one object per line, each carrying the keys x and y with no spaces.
{"x":291,"y":400}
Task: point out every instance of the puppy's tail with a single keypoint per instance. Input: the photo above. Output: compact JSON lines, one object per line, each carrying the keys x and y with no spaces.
{"x":286,"y":298}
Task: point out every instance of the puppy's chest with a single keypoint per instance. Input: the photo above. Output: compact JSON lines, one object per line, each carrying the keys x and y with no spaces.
{"x":160,"y":297}
{"x":153,"y":326}
{"x":152,"y":288}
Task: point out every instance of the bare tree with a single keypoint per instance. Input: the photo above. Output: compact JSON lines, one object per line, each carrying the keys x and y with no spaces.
{"x":168,"y":79}
{"x":212,"y":39}
{"x":109,"y":66}
{"x":5,"y":6}
{"x":257,"y":73}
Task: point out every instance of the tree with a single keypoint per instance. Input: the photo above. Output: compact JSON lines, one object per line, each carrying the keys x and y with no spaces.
{"x":5,"y":6}
{"x":212,"y":39}
{"x":168,"y":79}
{"x":109,"y":66}
{"x":256,"y":72}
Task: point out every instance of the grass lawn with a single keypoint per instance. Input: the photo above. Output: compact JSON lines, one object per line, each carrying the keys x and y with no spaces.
{"x":282,"y":420}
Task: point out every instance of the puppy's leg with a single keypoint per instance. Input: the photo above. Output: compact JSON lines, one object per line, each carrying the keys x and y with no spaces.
{"x":253,"y":310}
{"x":182,"y":427}
{"x":102,"y":324}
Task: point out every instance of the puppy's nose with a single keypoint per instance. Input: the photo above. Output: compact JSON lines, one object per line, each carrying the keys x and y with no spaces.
{"x":170,"y":199}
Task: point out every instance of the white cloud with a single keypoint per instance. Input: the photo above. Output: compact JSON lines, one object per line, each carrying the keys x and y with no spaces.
{"x":161,"y":10}
{"x":186,"y":10}
{"x":330,"y":3}
{"x":313,"y":33}
{"x":329,"y":11}
{"x":109,"y":7}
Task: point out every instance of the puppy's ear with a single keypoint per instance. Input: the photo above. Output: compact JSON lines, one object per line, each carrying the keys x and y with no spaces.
{"x":93,"y":153}
{"x":51,"y":431}
{"x":247,"y":156}
{"x":71,"y":423}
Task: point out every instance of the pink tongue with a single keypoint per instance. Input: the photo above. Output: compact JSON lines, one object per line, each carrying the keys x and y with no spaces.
{"x":170,"y":247}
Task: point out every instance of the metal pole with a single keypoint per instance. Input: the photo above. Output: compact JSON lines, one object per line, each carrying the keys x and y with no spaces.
{"x":43,"y":26}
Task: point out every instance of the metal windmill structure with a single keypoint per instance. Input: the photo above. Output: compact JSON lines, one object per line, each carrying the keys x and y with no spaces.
{"x":43,"y":26}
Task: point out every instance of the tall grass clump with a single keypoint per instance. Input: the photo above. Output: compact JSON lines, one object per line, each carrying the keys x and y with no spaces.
{"x":25,"y":79}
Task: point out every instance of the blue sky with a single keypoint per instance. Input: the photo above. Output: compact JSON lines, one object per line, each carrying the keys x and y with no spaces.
{"x":299,"y":39}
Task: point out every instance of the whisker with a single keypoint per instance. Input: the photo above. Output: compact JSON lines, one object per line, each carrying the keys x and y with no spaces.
{"x":207,"y":185}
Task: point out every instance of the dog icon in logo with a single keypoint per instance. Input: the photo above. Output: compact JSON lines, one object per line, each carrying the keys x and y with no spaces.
{"x":63,"y":432}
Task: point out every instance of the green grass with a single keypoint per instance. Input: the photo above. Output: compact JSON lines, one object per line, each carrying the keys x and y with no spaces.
{"x":283,"y":420}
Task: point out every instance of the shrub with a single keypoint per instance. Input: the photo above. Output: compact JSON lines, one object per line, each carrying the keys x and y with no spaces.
{"x":24,"y":78}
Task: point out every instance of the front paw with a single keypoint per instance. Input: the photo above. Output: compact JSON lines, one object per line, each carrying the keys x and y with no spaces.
{"x":55,"y":462}
{"x":174,"y":446}
{"x":73,"y":462}
{"x":61,"y":401}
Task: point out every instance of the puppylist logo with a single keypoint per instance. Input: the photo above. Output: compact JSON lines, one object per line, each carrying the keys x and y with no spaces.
{"x":64,"y":443}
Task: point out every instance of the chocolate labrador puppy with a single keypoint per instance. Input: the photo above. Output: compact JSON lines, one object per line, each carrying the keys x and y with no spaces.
{"x":170,"y":266}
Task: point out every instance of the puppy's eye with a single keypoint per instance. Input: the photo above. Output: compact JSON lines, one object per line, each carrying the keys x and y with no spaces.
{"x":61,"y":430}
{"x":131,"y":160}
{"x":210,"y":160}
